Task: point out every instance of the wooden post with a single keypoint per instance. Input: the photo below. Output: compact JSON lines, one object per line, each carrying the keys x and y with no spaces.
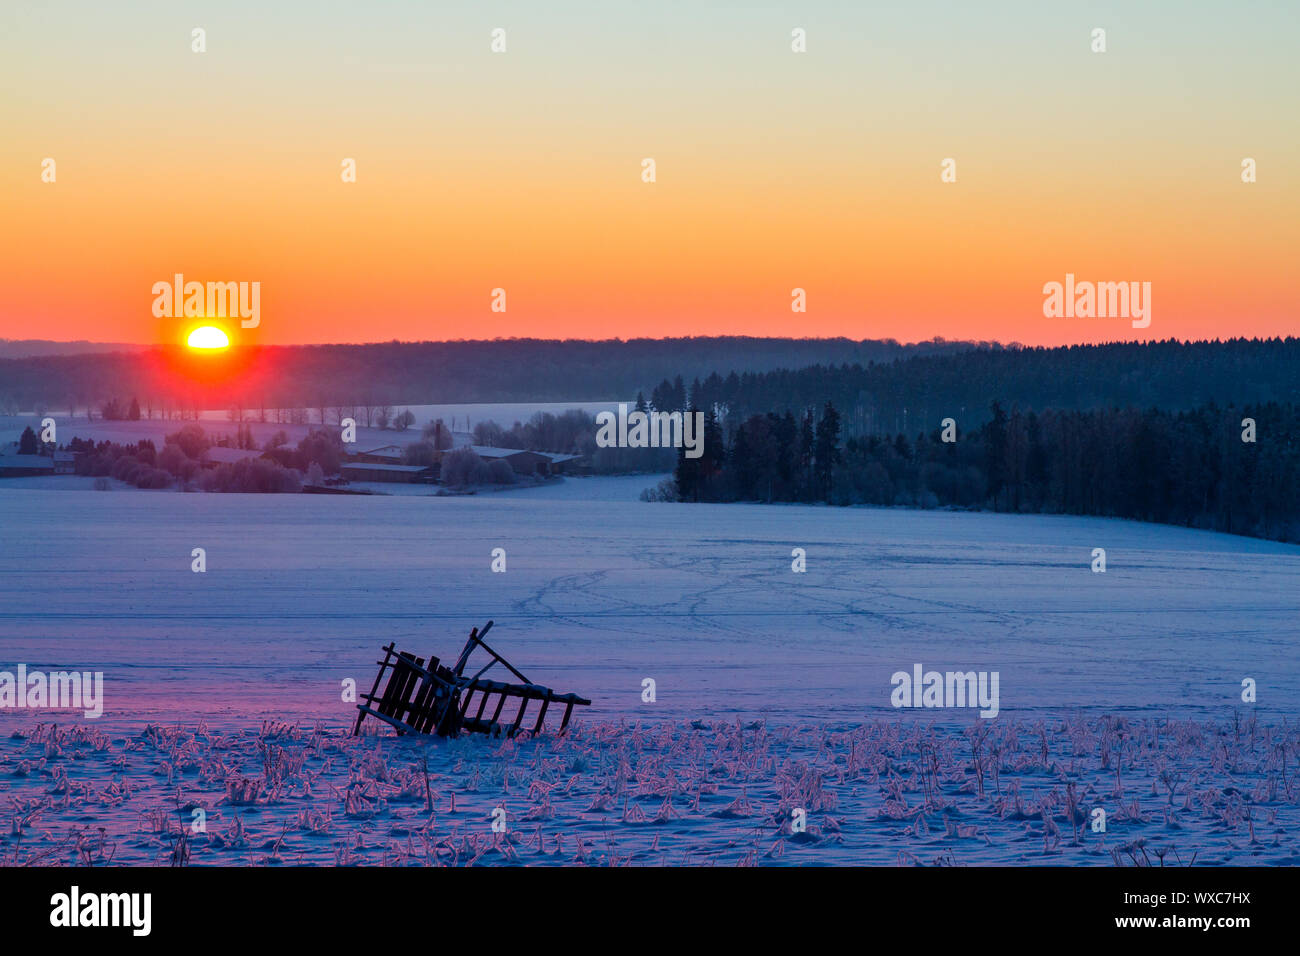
{"x":388,"y":653}
{"x":546,"y":702}
{"x":568,"y":712}
{"x":500,"y":704}
{"x":519,"y":717}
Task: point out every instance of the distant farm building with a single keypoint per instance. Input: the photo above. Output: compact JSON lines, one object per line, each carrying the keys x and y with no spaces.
{"x":372,"y":471}
{"x":383,"y":455}
{"x":523,"y":462}
{"x":65,"y":462}
{"x":561,"y":464}
{"x":526,"y":462}
{"x":22,"y":466}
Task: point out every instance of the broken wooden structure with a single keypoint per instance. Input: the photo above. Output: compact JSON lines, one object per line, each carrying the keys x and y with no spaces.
{"x":430,"y":698}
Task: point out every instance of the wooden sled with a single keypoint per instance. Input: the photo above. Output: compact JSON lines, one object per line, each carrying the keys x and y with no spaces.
{"x":430,"y":698}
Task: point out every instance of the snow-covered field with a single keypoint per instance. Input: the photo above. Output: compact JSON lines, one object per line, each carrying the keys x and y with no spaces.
{"x":1120,"y":690}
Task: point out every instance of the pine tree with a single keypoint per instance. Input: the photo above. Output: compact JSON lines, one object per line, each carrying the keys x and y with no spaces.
{"x":743,"y":468}
{"x":995,"y":445}
{"x":713,"y":457}
{"x":807,"y":441}
{"x":826,"y":450}
{"x":688,"y":472}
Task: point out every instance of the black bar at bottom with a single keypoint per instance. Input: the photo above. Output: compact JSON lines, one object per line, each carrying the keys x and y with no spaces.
{"x":965,"y":905}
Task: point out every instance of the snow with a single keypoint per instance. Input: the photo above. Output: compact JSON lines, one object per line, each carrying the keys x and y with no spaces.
{"x":59,"y":483}
{"x":603,"y":591}
{"x":610,"y":591}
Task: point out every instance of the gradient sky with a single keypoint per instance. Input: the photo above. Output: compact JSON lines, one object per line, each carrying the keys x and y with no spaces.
{"x":775,"y":169}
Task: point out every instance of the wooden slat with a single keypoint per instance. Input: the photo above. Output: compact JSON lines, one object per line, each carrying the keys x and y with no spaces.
{"x":423,"y":699}
{"x":403,"y":706}
{"x":519,"y":717}
{"x":500,"y":704}
{"x":397,"y":677}
{"x":568,"y":712}
{"x":432,"y":698}
{"x":388,"y":652}
{"x":537,"y":728}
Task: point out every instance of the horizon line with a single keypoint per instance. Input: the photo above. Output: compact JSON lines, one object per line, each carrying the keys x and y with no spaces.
{"x":934,"y":340}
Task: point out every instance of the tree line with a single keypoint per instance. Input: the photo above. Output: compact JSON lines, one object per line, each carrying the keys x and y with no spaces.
{"x":902,"y":395}
{"x":878,"y":387}
{"x":1234,"y":469}
{"x":320,"y":378}
{"x":279,"y":468}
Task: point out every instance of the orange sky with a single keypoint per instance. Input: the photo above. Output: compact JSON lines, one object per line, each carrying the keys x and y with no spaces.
{"x":775,"y":170}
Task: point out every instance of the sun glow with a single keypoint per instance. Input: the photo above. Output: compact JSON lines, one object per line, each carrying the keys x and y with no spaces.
{"x":208,"y":337}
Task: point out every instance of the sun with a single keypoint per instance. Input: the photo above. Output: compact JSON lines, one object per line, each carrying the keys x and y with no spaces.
{"x":208,"y":337}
